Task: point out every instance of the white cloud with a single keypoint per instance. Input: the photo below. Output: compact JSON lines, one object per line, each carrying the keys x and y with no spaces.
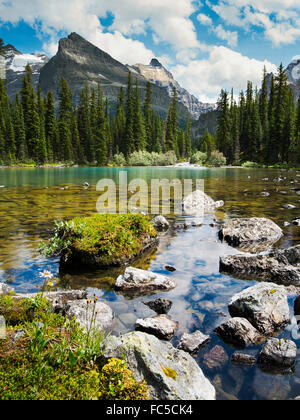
{"x":204,"y":19}
{"x":223,"y":69}
{"x":225,"y":35}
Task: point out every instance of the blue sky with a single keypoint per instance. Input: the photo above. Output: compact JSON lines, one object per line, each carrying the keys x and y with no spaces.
{"x":207,"y":44}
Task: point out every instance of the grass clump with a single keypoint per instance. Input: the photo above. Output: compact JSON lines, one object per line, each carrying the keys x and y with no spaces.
{"x":100,"y":240}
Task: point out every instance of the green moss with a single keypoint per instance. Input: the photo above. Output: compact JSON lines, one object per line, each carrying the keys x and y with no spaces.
{"x":117,"y":383}
{"x":102,"y":240}
{"x":14,"y":311}
{"x":170,"y":373}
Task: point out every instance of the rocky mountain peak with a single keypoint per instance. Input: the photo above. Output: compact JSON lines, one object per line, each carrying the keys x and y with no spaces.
{"x":155,"y":63}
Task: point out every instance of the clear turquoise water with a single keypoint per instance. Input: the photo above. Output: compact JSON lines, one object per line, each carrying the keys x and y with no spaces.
{"x":33,"y":198}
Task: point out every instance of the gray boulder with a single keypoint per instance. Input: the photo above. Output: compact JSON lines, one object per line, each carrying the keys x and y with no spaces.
{"x":135,"y":280}
{"x":162,"y":326}
{"x":5,"y":289}
{"x":238,"y":232}
{"x":90,"y":315}
{"x":278,"y":353}
{"x":239,"y":332}
{"x":192,"y":343}
{"x":199,"y":203}
{"x":170,"y":374}
{"x":160,"y":223}
{"x":280,"y":267}
{"x":264,"y":305}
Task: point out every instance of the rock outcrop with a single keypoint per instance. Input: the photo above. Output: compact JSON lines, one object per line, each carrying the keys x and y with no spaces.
{"x":140,"y":281}
{"x":170,"y":374}
{"x":264,"y":305}
{"x":241,"y":232}
{"x":282,"y":267}
{"x":162,"y":326}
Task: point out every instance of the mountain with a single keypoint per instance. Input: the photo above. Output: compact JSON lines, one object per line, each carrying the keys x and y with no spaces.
{"x":293,"y":74}
{"x":16,"y":62}
{"x":78,"y":61}
{"x":157,"y":74}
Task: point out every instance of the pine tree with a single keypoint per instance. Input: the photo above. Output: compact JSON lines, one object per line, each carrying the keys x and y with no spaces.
{"x":188,"y":139}
{"x":84,"y":124}
{"x":264,"y":115}
{"x":65,"y":121}
{"x":140,"y":141}
{"x":172,"y":124}
{"x":224,"y":139}
{"x":129,"y":146}
{"x":120,"y":125}
{"x":51,"y":128}
{"x":147,"y":114}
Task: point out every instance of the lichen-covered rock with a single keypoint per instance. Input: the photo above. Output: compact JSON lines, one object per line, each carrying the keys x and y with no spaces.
{"x":281,"y":267}
{"x":278,"y":353}
{"x":160,"y":223}
{"x":5,"y":289}
{"x":160,"y":306}
{"x":264,"y":305}
{"x":237,"y":232}
{"x":135,"y":280}
{"x":162,"y":326}
{"x":239,"y":332}
{"x":192,"y":343}
{"x":170,"y":374}
{"x":90,"y":315}
{"x":199,"y":203}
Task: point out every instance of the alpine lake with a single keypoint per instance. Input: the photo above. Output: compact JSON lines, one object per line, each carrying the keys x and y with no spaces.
{"x":32,"y":199}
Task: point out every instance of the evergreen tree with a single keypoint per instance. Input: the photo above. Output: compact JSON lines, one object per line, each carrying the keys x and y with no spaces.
{"x":140,"y":141}
{"x":224,"y":139}
{"x":65,"y":121}
{"x":84,"y":124}
{"x":172,"y":124}
{"x":188,"y":139}
{"x":147,"y":114}
{"x":129,"y":146}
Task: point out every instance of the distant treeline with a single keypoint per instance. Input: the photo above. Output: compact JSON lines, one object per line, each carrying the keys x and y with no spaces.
{"x":33,"y":130}
{"x":263,"y":126}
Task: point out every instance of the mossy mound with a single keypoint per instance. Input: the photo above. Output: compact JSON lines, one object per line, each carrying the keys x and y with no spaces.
{"x":102,"y":240}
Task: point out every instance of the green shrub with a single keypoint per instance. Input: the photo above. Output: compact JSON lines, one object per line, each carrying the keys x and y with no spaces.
{"x":119,"y":159}
{"x":198,"y":158}
{"x":117,"y":383}
{"x":249,"y":164}
{"x":141,"y":158}
{"x":166,"y":159}
{"x":217,"y":159}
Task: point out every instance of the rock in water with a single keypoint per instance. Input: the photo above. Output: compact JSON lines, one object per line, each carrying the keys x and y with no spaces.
{"x":161,"y":326}
{"x":135,"y":280}
{"x":160,"y":306}
{"x":281,"y":267}
{"x":161,"y":224}
{"x":5,"y":289}
{"x":97,"y":315}
{"x":244,"y":231}
{"x":242,"y":359}
{"x":192,"y":343}
{"x":199,"y":203}
{"x":217,"y":358}
{"x":278,"y":353}
{"x":264,"y":305}
{"x":170,"y":374}
{"x":239,"y":332}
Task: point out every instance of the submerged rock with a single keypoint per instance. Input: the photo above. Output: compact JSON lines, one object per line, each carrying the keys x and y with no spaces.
{"x":192,"y":343}
{"x":217,"y":358}
{"x":161,"y":224}
{"x":242,"y":359}
{"x":198,"y":202}
{"x":281,"y":267}
{"x":160,"y":306}
{"x":162,"y":326}
{"x":264,"y":305}
{"x":135,"y":280}
{"x":98,"y":315}
{"x":239,"y":332}
{"x":5,"y":289}
{"x":238,"y":232}
{"x":170,"y":374}
{"x":278,"y":353}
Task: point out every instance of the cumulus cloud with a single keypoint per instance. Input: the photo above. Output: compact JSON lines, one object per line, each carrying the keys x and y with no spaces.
{"x":225,"y":35}
{"x":224,"y":68}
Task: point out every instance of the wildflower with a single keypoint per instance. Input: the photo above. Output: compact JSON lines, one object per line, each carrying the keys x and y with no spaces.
{"x":50,"y":284}
{"x":46,"y":275}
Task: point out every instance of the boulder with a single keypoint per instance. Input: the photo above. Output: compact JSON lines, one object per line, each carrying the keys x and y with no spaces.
{"x":161,"y":224}
{"x":170,"y":374}
{"x":280,"y":267}
{"x":238,"y":232}
{"x":242,"y":359}
{"x":199,"y":203}
{"x":264,"y":305}
{"x":162,"y":326}
{"x":5,"y":289}
{"x":135,"y":280}
{"x":239,"y":332}
{"x":90,"y":315}
{"x":160,"y":306}
{"x":192,"y":343}
{"x":278,"y":353}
